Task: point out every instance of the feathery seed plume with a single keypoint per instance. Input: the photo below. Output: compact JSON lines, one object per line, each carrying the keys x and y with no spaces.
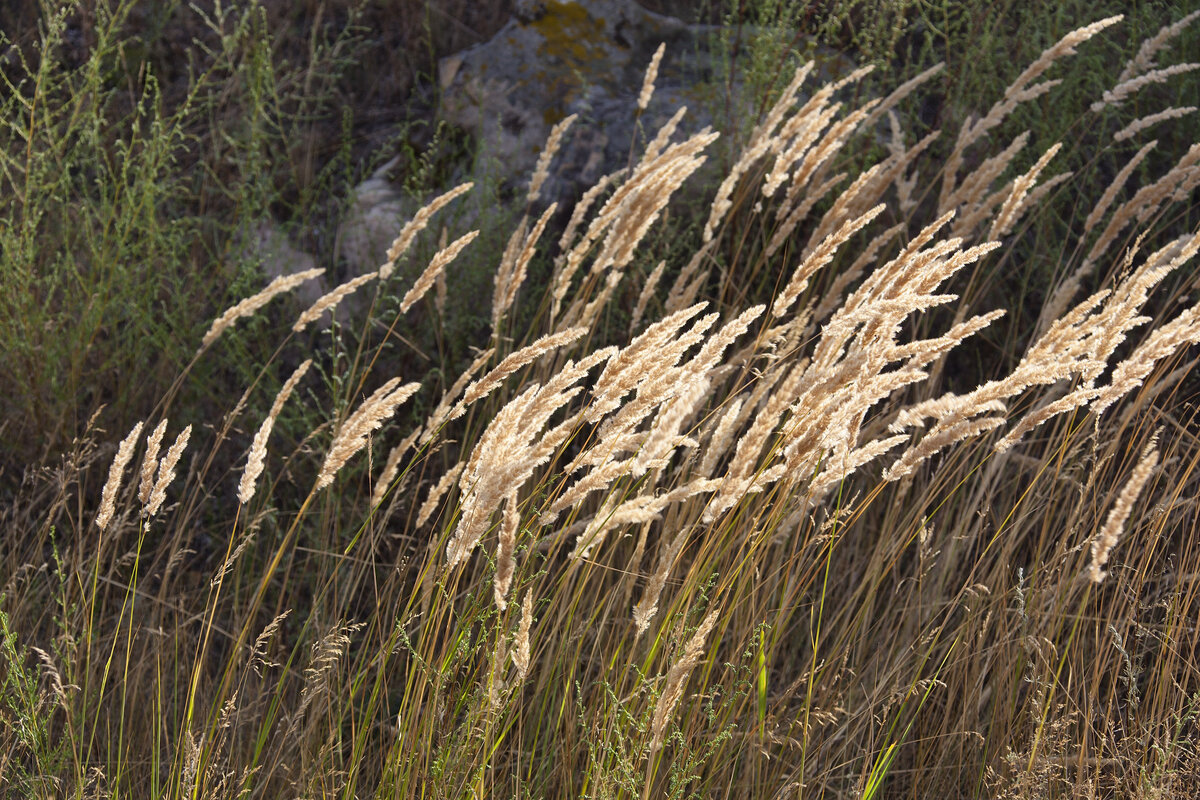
{"x":511,"y":273}
{"x":818,"y":258}
{"x":258,"y":450}
{"x":513,"y":362}
{"x":247,"y":307}
{"x":1140,"y":124}
{"x":1144,"y":60}
{"x":150,"y":461}
{"x":1107,"y":537}
{"x":391,"y":467}
{"x":329,"y":300}
{"x":677,"y":678}
{"x":506,"y":545}
{"x":541,"y":170}
{"x":437,"y":492}
{"x":509,"y":450}
{"x":434,"y":270}
{"x":651,"y":75}
{"x":352,"y":435}
{"x":166,"y":472}
{"x":1010,"y":212}
{"x":1019,"y":91}
{"x":116,"y":472}
{"x":644,"y":296}
{"x":520,"y":655}
{"x":415,"y":226}
{"x":1122,"y":91}
{"x":647,"y":607}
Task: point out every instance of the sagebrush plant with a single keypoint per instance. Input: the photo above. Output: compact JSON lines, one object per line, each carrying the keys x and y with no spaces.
{"x":120,"y":186}
{"x":758,"y":537}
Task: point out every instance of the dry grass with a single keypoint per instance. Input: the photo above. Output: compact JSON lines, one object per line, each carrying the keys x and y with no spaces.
{"x":760,"y":550}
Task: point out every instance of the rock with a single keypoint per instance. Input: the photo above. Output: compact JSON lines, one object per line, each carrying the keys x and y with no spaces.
{"x":377,"y":213}
{"x":558,"y":58}
{"x":555,"y":58}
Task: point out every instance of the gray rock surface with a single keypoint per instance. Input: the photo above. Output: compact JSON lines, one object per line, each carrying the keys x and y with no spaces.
{"x":555,"y":58}
{"x":586,"y":57}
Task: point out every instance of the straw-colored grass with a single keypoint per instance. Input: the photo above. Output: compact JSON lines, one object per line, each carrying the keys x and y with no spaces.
{"x":724,"y":540}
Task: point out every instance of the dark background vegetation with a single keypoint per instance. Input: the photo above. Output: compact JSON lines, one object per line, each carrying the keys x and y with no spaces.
{"x":158,"y":139}
{"x":276,"y":112}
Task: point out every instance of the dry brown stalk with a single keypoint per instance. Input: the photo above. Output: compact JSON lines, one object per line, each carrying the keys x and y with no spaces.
{"x":330,"y":300}
{"x":352,"y":434}
{"x":166,"y":473}
{"x":441,"y":291}
{"x":258,"y":450}
{"x":247,"y":307}
{"x":415,"y":226}
{"x":116,"y":472}
{"x":245,"y":541}
{"x":433,"y":272}
{"x":677,"y":678}
{"x":1106,"y":538}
